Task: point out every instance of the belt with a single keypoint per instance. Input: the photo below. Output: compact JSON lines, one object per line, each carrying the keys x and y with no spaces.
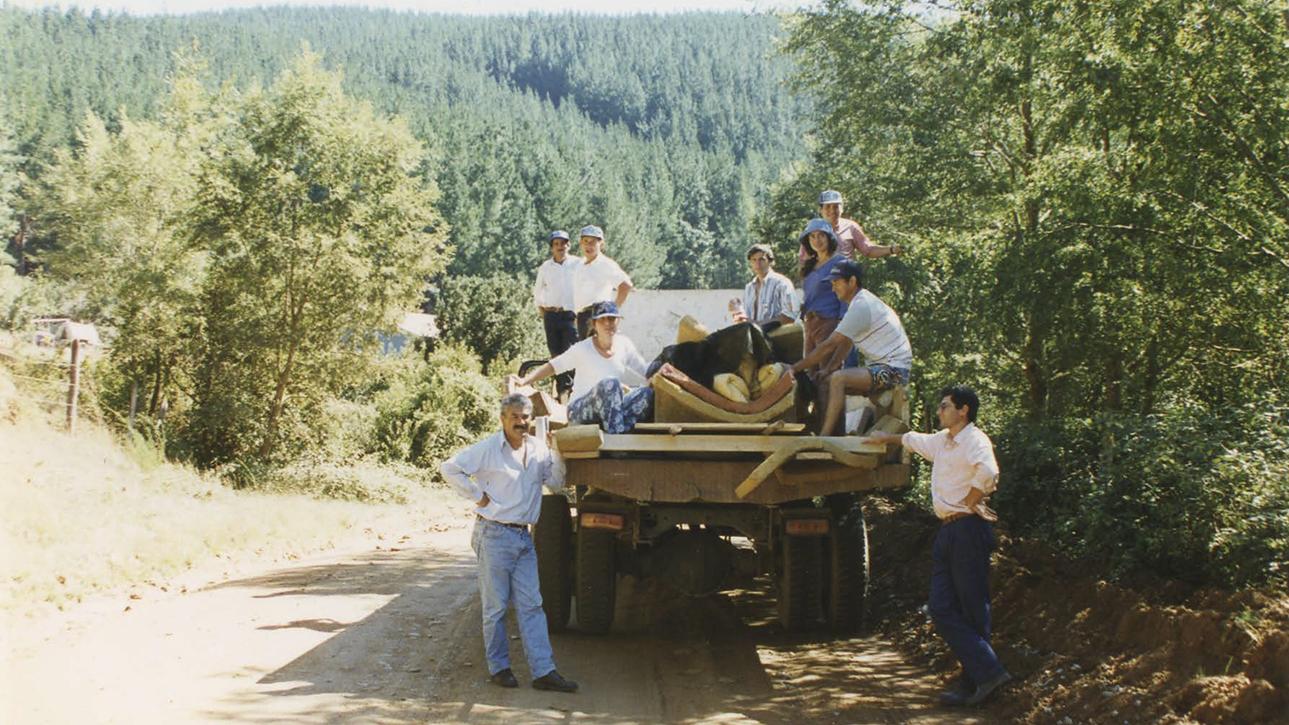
{"x":521,"y":527}
{"x":954,"y":517}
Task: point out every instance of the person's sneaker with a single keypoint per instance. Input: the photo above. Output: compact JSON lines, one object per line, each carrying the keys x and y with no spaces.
{"x":958,"y":692}
{"x":986,"y":688}
{"x":554,"y":681}
{"x":504,"y":678}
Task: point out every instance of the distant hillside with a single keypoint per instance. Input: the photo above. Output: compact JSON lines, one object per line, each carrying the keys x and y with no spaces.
{"x":666,"y":130}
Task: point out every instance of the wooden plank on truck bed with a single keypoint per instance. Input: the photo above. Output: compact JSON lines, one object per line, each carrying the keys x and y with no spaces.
{"x":687,"y":481}
{"x":759,"y":428}
{"x":709,"y":443}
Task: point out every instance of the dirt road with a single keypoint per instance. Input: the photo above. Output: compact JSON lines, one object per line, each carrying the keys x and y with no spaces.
{"x":393,"y":635}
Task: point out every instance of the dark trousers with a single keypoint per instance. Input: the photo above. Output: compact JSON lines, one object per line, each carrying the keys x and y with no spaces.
{"x":959,"y":601}
{"x":561,"y":333}
{"x":584,"y":323}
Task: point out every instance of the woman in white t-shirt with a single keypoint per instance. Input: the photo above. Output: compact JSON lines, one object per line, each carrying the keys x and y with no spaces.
{"x":609,"y":385}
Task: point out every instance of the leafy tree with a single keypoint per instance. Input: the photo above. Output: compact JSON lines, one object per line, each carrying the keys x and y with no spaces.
{"x":10,"y":178}
{"x":1094,"y":197}
{"x":318,"y":222}
{"x":492,"y":316}
{"x":119,"y":206}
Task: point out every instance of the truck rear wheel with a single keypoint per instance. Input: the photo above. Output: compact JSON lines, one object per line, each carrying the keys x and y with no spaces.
{"x":553,"y":538}
{"x":848,"y":571}
{"x":596,"y":580}
{"x":799,"y":582}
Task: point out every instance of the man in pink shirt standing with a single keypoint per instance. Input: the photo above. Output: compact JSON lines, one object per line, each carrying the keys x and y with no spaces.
{"x":851,"y":240}
{"x":964,"y":473}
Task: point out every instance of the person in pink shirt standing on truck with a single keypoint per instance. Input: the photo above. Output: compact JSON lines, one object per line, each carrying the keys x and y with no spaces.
{"x":851,"y":239}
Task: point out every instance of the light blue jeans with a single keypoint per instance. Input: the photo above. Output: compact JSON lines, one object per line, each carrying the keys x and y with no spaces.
{"x":508,"y":573}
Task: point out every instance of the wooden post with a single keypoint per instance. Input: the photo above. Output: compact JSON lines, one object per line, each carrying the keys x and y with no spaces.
{"x":134,"y":404}
{"x":73,"y":385}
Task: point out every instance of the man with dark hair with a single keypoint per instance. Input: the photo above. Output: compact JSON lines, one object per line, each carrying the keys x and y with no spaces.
{"x":553,"y":294}
{"x":768,"y":300}
{"x":964,"y":473}
{"x":870,"y":325}
{"x":503,"y":474}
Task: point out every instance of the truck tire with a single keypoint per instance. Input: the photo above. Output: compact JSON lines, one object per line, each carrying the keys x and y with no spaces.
{"x":596,"y":580}
{"x":848,"y":571}
{"x":553,"y":538}
{"x":800,"y":585}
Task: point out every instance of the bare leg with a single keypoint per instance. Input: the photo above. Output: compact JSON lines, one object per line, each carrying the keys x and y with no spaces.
{"x":840,"y":383}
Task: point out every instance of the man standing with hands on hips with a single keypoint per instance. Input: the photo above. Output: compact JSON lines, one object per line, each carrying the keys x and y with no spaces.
{"x":503,"y":474}
{"x":964,"y":473}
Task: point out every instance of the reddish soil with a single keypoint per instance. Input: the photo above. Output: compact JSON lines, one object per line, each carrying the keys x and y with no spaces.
{"x":1087,"y":650}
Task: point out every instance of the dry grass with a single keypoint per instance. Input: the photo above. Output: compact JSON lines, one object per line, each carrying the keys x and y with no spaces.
{"x":84,"y":514}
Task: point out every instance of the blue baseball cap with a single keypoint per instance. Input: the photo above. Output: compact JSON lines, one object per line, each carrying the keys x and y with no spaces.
{"x":829,"y":197}
{"x":818,"y":225}
{"x":590,"y":230}
{"x":604,"y":309}
{"x":846,"y":269}
{"x":558,"y":234}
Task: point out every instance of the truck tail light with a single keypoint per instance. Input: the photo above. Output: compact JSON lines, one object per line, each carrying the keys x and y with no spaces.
{"x":806,"y":527}
{"x":611,"y":522}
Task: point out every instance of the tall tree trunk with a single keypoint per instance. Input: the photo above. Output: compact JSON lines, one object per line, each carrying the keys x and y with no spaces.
{"x":283,"y":379}
{"x":1114,"y":381}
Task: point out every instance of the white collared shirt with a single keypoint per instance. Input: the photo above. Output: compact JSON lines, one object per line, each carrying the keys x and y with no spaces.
{"x":512,"y":478}
{"x":554,"y":285}
{"x":958,"y":464}
{"x":597,"y":281}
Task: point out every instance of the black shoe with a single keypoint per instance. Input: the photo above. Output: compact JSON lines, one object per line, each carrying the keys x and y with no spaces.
{"x":958,"y":692}
{"x":554,"y":681}
{"x":986,"y":688}
{"x":504,"y":678}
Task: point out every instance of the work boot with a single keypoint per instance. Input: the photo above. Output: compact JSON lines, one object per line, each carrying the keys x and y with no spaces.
{"x":504,"y":678}
{"x":986,"y":688}
{"x":554,"y":681}
{"x":958,"y":692}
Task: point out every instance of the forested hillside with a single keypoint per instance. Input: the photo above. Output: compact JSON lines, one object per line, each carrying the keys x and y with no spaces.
{"x":664,"y":130}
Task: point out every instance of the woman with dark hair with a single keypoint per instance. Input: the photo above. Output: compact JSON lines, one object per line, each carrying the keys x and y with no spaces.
{"x":821,"y":310}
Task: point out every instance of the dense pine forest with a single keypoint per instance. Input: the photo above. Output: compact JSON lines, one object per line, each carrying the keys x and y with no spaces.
{"x":664,"y":130}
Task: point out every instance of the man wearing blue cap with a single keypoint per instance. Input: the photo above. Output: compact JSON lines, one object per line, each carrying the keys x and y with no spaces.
{"x":553,"y":294}
{"x":851,"y":239}
{"x":869,"y":325}
{"x":598,"y":279}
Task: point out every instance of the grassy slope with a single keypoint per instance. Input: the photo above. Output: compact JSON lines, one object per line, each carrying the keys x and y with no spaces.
{"x":81,"y":514}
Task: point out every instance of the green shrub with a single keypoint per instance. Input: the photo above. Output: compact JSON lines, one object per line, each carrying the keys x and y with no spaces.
{"x":366,"y":481}
{"x":424,"y":420}
{"x":493,"y":316}
{"x":1194,"y":494}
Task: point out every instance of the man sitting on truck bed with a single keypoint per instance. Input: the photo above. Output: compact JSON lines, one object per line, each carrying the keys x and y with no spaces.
{"x":870,"y":325}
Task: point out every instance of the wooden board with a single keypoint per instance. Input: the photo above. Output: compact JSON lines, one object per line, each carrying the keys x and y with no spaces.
{"x":776,"y":428}
{"x":681,"y":481}
{"x":711,"y":443}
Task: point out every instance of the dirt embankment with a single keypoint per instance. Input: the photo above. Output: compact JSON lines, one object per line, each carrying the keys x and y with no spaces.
{"x":1085,"y":650}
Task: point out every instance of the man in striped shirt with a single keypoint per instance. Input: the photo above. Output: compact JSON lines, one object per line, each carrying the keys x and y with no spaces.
{"x":871,"y":326}
{"x":768,"y":300}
